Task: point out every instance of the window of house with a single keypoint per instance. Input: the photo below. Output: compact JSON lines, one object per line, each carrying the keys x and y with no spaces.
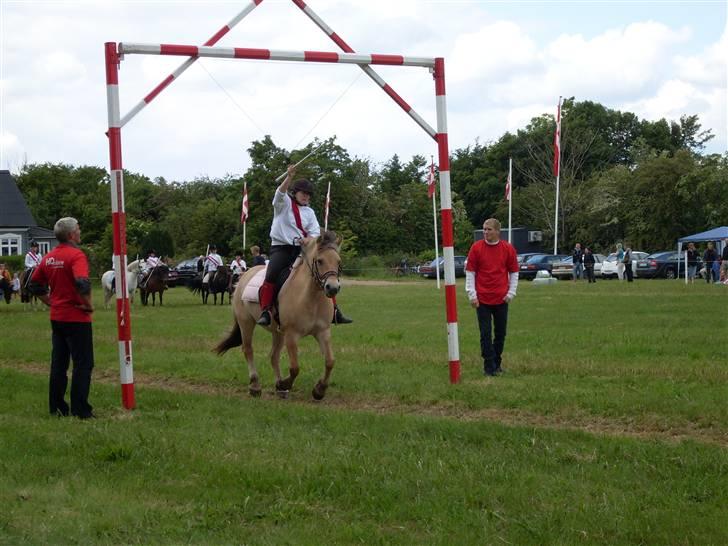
{"x":9,"y":244}
{"x":44,"y":247}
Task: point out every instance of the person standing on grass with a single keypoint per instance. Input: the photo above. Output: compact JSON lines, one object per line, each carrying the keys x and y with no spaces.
{"x":65,"y":271}
{"x":589,"y":262}
{"x":692,"y":262}
{"x":709,"y":256}
{"x":627,"y":260}
{"x":491,"y":280}
{"x":577,"y":261}
{"x":724,"y":262}
{"x":257,"y":258}
{"x":620,"y":262}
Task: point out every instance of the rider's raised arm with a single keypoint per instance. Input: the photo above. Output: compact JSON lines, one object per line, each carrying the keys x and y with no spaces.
{"x":291,"y":172}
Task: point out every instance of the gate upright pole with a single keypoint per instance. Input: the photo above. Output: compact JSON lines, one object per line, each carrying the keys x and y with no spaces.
{"x":118,"y":218}
{"x":448,"y":250}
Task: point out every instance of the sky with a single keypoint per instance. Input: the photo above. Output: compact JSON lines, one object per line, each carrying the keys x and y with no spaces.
{"x":505,"y":63}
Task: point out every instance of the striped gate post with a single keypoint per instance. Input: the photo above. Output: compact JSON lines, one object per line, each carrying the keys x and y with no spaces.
{"x":118,"y":218}
{"x":448,"y":249}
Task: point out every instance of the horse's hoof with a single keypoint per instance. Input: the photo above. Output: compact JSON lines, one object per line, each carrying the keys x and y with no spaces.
{"x":255,"y":392}
{"x":319,"y":391}
{"x":284,"y":384}
{"x":283,"y":395}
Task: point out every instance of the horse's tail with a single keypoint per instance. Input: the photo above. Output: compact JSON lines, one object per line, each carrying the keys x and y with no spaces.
{"x":233,"y":339}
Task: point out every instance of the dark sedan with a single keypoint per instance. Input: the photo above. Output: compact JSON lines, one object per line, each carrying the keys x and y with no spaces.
{"x":666,"y":265}
{"x":540,"y":262}
{"x":430,"y":270}
{"x":183,"y":272}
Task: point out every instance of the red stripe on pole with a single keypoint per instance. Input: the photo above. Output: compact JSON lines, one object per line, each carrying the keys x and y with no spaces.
{"x":127,"y":395}
{"x":118,"y":220}
{"x":172,"y":49}
{"x":300,"y":3}
{"x":112,"y":63}
{"x":454,"y":371}
{"x":341,"y":43}
{"x":248,"y":53}
{"x":450,"y":299}
{"x":399,"y":100}
{"x":321,"y":56}
{"x":442,"y":152}
{"x":124,"y":325}
{"x":157,"y":90}
{"x":115,"y":148}
{"x":219,"y":34}
{"x":439,"y":76}
{"x":387,"y":59}
{"x":258,"y":2}
{"x":447,"y":234}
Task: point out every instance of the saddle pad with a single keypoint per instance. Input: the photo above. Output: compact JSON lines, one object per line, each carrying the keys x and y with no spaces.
{"x":250,"y":292}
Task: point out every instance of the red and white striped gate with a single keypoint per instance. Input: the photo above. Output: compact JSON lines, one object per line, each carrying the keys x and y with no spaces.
{"x":114,"y":54}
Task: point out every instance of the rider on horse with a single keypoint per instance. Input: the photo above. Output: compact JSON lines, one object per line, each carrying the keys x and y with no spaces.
{"x":293,"y":221}
{"x":212,"y":262}
{"x":151,"y":262}
{"x":237,"y":268}
{"x":32,"y":260}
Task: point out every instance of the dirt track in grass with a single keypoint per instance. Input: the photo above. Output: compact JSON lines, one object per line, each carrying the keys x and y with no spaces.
{"x":648,"y":428}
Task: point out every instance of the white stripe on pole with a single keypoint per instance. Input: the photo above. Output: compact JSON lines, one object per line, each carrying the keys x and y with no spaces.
{"x":326,"y":213}
{"x":558,"y":176}
{"x":510,"y":199}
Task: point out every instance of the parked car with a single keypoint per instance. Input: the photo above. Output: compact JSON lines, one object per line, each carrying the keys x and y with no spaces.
{"x":539,"y":262}
{"x":564,"y":268}
{"x":430,"y":272}
{"x":609,"y":267}
{"x":183,"y":272}
{"x":526,"y":255}
{"x":665,"y":264}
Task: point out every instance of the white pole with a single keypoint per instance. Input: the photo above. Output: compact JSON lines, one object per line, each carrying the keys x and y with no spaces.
{"x":510,"y":198}
{"x":326,"y":213}
{"x":558,"y":175}
{"x":244,"y":245}
{"x":437,"y":250}
{"x":309,"y":154}
{"x":686,"y":267}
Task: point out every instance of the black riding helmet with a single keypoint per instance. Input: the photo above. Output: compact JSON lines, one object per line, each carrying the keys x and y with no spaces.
{"x":302,"y":185}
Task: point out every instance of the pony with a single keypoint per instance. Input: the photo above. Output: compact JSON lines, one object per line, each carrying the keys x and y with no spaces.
{"x":305,"y":309}
{"x":132,"y":279}
{"x":26,"y":296}
{"x":219,"y":283}
{"x":156,"y":282}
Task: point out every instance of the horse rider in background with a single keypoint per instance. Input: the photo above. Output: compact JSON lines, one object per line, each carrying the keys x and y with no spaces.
{"x":237,"y":268}
{"x":32,"y":260}
{"x":212,"y":262}
{"x":151,"y":262}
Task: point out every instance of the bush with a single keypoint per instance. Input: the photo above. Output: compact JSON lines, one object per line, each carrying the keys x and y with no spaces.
{"x":15,"y":264}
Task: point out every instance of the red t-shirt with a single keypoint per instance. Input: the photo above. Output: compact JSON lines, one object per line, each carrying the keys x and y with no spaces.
{"x":59,"y":269}
{"x":491,"y":265}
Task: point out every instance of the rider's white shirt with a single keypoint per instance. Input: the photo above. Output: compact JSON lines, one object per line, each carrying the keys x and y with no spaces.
{"x":237,"y":268}
{"x":212,"y":262}
{"x":150,"y":263}
{"x":30,"y":261}
{"x":284,"y":230}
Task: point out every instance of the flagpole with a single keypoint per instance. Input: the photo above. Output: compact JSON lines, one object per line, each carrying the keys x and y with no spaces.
{"x":510,"y":198}
{"x":326,"y":212}
{"x":244,"y":245}
{"x":434,"y":221}
{"x":557,"y":138}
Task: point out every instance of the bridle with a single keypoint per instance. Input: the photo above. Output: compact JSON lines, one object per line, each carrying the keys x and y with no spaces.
{"x":317,"y":276}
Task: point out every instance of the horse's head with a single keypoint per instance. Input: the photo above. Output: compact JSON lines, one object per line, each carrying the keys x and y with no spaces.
{"x":325,"y":262}
{"x":161,"y":272}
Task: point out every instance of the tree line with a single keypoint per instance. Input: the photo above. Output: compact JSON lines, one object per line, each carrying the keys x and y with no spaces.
{"x":622,"y":178}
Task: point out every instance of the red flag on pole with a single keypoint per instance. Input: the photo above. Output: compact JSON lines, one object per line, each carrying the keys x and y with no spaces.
{"x":508,"y":186}
{"x":431,"y":181}
{"x":244,"y":210}
{"x":557,"y":142}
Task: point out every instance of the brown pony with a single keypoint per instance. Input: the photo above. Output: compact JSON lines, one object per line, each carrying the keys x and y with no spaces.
{"x":26,"y":296}
{"x":155,"y":283}
{"x":305,"y":309}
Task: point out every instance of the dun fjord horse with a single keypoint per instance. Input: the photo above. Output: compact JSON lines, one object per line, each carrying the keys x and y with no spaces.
{"x":156,"y":282}
{"x":132,"y":279}
{"x":305,"y":309}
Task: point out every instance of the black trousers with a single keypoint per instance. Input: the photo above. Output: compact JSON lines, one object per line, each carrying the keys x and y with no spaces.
{"x":281,"y":258}
{"x":492,"y":320}
{"x":71,"y":340}
{"x":628,"y":272}
{"x":589,"y":271}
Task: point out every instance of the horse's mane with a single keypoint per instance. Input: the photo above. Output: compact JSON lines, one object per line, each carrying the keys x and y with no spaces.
{"x":329,"y":239}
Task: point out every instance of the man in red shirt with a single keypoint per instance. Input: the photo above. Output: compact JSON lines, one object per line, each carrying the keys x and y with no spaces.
{"x":65,"y":271}
{"x":491,"y":280}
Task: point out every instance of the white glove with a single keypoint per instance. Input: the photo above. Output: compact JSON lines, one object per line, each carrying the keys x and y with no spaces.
{"x":509,"y":297}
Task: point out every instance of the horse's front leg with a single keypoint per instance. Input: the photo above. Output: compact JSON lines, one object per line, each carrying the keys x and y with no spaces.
{"x":160,"y":298}
{"x":291,"y":341}
{"x":324,"y":340}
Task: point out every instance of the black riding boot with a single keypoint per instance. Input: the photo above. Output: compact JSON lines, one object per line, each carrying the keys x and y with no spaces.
{"x":339,"y":317}
{"x":265,"y":318}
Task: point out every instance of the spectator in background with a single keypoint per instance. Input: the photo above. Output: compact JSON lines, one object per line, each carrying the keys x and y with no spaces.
{"x":65,"y":271}
{"x":577,"y":258}
{"x":709,"y":256}
{"x":627,"y":260}
{"x":620,"y":262}
{"x":589,"y":262}
{"x":15,"y":285}
{"x":724,"y":262}
{"x":257,"y":258}
{"x":692,"y":261}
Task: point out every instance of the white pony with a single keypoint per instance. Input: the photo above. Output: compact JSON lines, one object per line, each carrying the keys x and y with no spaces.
{"x":132,"y":278}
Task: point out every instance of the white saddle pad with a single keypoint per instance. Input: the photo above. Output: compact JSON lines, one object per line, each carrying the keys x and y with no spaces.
{"x":250,"y":292}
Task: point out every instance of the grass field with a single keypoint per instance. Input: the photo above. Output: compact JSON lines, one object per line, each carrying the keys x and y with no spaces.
{"x":610,"y":426}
